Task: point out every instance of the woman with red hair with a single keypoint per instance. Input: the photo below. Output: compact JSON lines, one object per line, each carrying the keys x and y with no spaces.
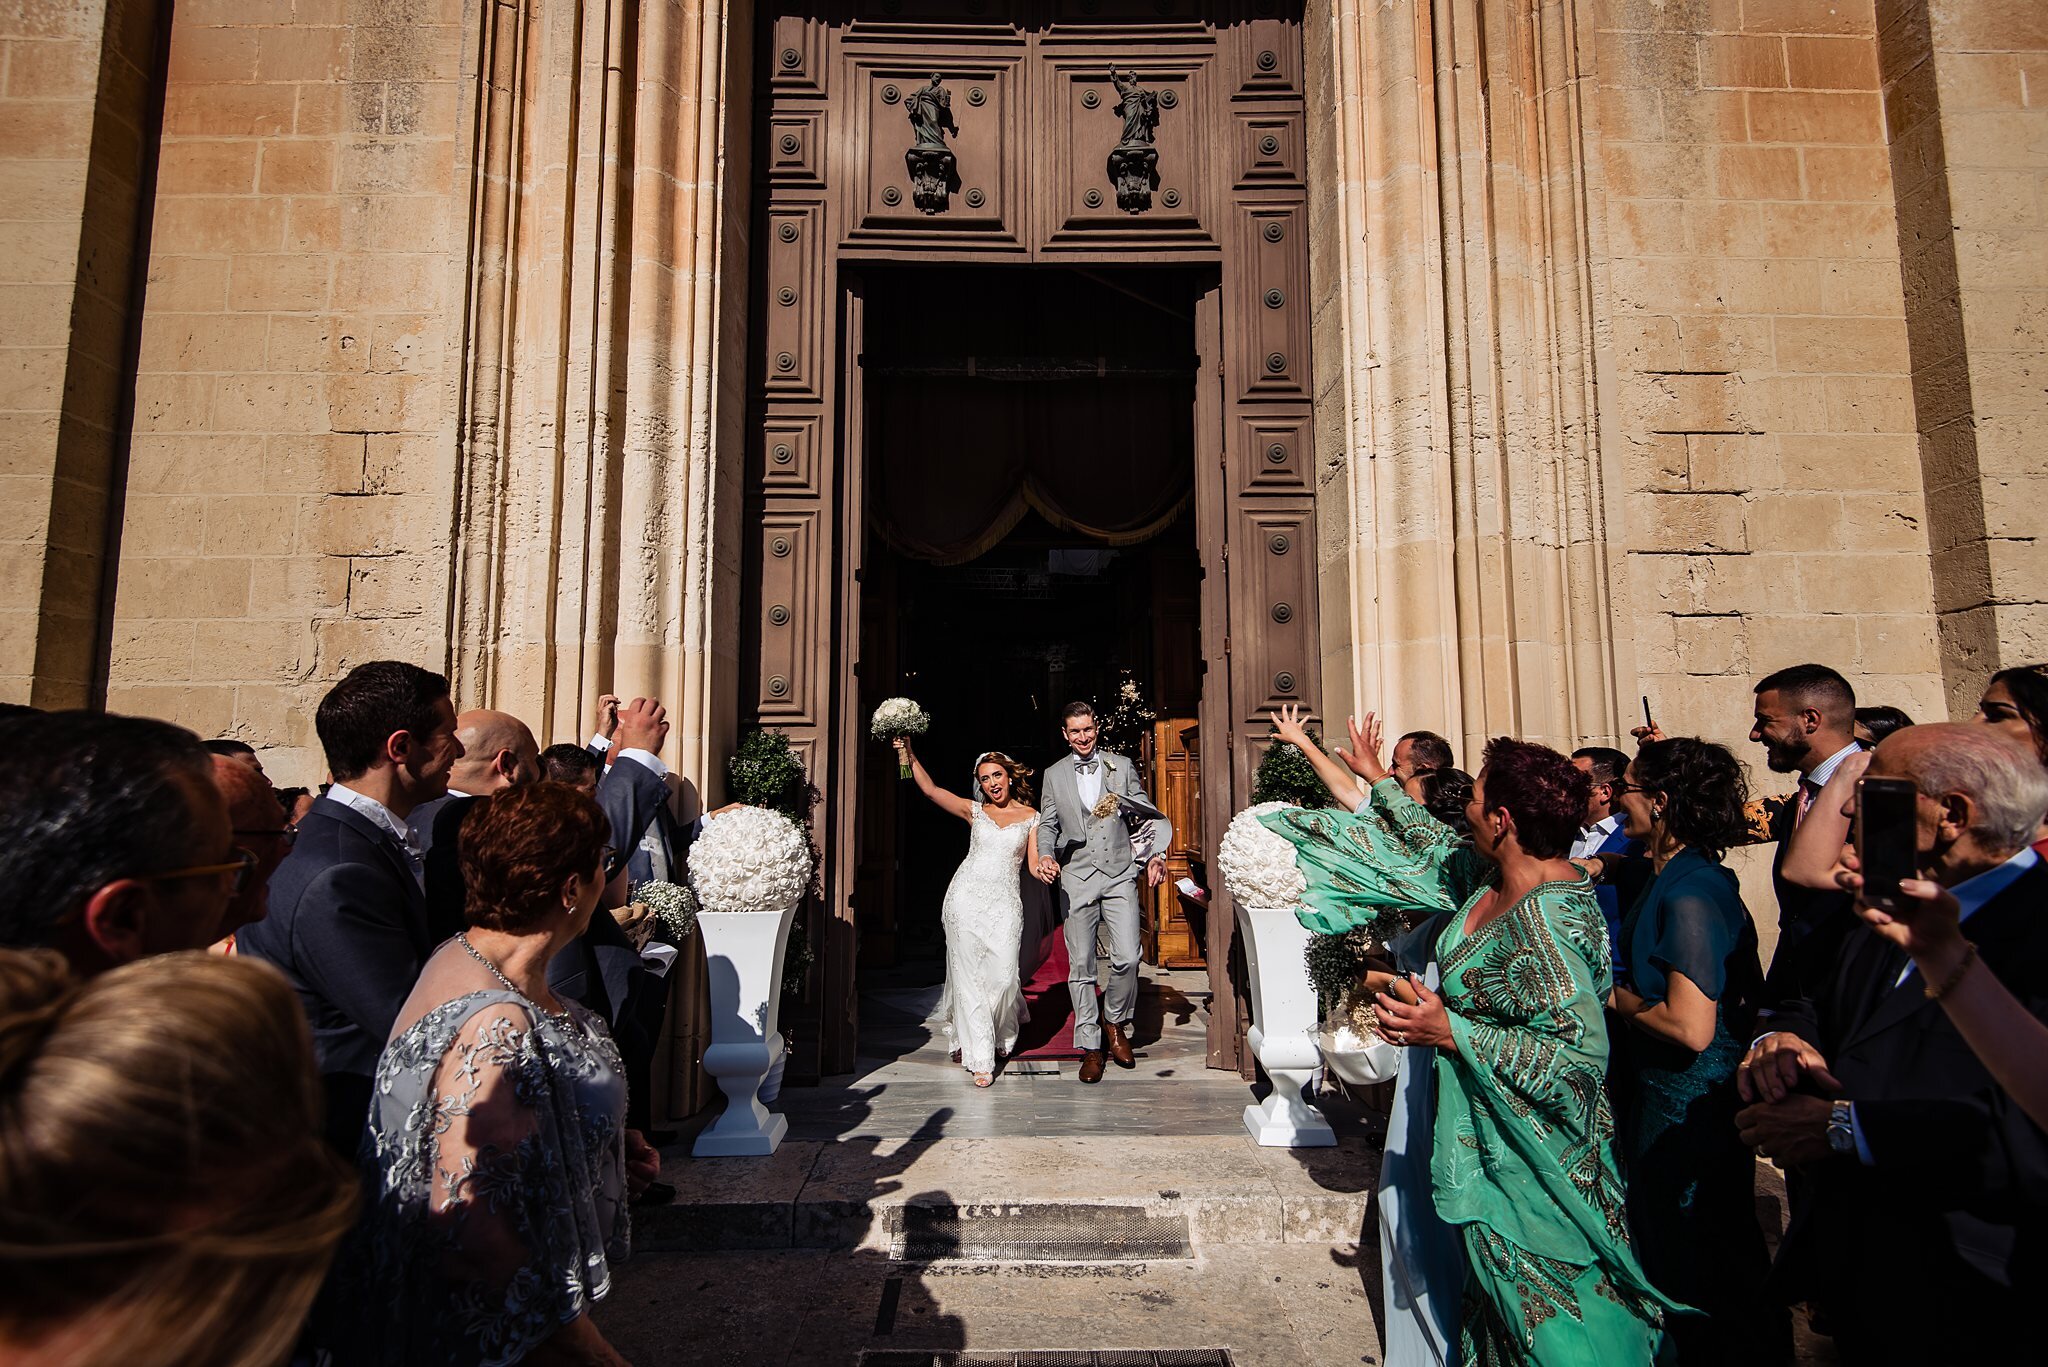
{"x":1522,"y":1158}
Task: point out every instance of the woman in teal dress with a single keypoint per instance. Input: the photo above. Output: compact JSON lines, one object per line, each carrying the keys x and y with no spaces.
{"x":1691,"y":953}
{"x":1522,"y":1160}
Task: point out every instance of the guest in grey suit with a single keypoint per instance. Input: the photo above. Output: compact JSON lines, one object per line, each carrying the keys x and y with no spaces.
{"x":1084,"y":844}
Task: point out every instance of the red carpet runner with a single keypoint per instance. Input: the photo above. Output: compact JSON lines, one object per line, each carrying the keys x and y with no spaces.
{"x":1049,"y":1034}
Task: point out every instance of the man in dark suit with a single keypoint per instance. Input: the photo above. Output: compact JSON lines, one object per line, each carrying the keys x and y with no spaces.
{"x":634,"y":792}
{"x":1806,"y":721}
{"x":498,"y":752}
{"x":348,"y":912}
{"x":1922,"y":1225}
{"x":1600,"y":832}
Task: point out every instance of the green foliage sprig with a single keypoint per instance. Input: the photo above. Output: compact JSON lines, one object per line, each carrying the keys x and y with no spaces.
{"x":765,"y":772}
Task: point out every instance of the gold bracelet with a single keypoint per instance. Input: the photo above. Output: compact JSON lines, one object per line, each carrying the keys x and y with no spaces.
{"x":1935,"y":994}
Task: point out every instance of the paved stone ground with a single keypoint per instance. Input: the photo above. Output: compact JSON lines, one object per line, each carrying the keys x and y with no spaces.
{"x":797,"y":1259}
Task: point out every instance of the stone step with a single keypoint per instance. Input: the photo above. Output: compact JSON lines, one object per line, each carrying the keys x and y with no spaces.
{"x":925,"y":1199}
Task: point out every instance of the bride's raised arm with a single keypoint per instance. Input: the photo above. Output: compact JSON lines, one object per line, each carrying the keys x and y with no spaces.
{"x":951,"y":802}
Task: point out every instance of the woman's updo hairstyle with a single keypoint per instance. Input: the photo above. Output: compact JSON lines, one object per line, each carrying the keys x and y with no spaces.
{"x":1445,"y":794}
{"x":1704,"y":790}
{"x":165,"y":1196}
{"x":519,"y":847}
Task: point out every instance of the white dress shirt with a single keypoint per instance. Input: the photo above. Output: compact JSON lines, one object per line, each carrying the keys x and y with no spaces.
{"x":1592,"y":837}
{"x":385,"y":817}
{"x":638,"y":756}
{"x":1089,"y":785}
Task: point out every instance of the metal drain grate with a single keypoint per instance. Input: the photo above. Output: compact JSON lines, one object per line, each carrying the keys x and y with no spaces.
{"x":1108,"y":1357}
{"x":1036,"y":1234}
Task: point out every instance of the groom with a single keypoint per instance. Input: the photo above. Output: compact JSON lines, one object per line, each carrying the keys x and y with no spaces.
{"x":1084,"y":844}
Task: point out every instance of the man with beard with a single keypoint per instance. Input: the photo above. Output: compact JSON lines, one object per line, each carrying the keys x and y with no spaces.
{"x":1806,"y":722}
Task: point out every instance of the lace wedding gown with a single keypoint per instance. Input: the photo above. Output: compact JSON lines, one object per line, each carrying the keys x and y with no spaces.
{"x":983,"y":1004}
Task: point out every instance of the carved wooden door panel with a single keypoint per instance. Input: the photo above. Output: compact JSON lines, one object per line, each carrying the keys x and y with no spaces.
{"x":1077,"y":133}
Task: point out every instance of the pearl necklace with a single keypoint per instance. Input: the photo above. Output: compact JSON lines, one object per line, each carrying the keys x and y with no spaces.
{"x":462,"y":938}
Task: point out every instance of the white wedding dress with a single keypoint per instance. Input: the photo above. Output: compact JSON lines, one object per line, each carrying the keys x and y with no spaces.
{"x":983,"y":1004}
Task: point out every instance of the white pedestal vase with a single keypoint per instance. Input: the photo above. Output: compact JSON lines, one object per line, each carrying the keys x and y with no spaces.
{"x":743,"y":950}
{"x":1283,"y":1033}
{"x":771,"y":1082}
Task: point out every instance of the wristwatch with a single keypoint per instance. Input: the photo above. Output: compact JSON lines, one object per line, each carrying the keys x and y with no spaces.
{"x":1842,"y":1128}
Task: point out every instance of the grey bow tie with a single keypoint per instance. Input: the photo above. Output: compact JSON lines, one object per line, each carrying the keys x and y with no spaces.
{"x":1086,"y":766}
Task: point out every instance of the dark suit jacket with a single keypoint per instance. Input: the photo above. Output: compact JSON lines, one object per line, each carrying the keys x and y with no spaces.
{"x":1958,"y":1192}
{"x":1608,"y":893}
{"x":348,"y":929}
{"x":1812,"y":924}
{"x":446,"y":897}
{"x":635,"y":798}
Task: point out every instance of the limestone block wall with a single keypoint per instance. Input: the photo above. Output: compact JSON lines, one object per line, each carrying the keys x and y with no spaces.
{"x":1966,"y":102}
{"x":1617,"y":394}
{"x":290,"y":491}
{"x":1759,"y":422}
{"x":74,"y":116}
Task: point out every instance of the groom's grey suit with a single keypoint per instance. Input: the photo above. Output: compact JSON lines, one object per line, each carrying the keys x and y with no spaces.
{"x":1098,"y":883}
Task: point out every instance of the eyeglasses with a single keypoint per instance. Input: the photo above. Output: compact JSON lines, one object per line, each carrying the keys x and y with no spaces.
{"x":287,"y":836}
{"x":1621,"y":787}
{"x":241,"y":866}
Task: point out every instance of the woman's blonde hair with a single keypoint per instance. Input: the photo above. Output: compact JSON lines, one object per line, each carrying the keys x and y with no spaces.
{"x":164,"y":1193}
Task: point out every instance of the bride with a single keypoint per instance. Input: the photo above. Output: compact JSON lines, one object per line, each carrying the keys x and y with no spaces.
{"x":984,"y":910}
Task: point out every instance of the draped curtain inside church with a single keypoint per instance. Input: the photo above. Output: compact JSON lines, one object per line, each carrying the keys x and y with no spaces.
{"x":959,"y":460}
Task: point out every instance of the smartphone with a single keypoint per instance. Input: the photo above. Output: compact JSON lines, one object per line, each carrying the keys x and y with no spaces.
{"x":1647,"y":723}
{"x":1887,"y":838}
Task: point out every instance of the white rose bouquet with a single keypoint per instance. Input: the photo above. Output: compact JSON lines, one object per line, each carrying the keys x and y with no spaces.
{"x":750,"y":859}
{"x":1257,"y":865}
{"x":672,"y":904}
{"x":899,"y":717}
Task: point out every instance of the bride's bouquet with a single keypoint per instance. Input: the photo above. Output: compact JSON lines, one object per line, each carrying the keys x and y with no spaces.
{"x":899,"y":717}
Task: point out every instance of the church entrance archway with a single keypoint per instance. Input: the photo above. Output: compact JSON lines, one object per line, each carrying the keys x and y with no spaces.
{"x":1029,"y":328}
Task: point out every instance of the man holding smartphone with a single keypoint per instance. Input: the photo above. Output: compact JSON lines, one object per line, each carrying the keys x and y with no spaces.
{"x":1917,"y":1163}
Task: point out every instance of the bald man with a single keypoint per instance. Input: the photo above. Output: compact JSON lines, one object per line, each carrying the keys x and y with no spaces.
{"x":498,"y":752}
{"x":259,"y":827}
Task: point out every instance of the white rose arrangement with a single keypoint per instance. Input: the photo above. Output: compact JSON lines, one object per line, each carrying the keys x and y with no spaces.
{"x":750,"y":859}
{"x":899,"y":717}
{"x":672,"y":904}
{"x":1257,"y":865}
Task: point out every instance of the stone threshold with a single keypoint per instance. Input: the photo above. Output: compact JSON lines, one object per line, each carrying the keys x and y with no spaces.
{"x":850,"y":1194}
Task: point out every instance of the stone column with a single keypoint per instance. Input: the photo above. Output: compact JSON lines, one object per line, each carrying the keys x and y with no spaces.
{"x":1966,"y":103}
{"x":1461,"y":480}
{"x":77,"y":114}
{"x":606,"y":272}
{"x":601,"y":362}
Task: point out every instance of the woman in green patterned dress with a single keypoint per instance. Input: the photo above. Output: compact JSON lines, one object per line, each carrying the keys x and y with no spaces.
{"x":1523,"y":1161}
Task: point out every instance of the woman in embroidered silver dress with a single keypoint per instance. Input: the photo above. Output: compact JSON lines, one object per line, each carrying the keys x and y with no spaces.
{"x":499,"y":1163}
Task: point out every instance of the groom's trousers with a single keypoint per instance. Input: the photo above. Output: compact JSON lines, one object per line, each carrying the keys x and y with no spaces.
{"x":1114,"y":904}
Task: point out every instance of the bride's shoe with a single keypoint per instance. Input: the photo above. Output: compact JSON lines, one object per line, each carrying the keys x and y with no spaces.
{"x":984,"y":1079}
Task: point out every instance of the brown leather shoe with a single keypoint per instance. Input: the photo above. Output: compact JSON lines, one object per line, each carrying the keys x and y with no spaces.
{"x":1119,"y":1045}
{"x":1091,"y":1066}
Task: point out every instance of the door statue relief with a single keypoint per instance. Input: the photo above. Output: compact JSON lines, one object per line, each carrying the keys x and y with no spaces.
{"x":933,"y":172}
{"x":1134,"y":165}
